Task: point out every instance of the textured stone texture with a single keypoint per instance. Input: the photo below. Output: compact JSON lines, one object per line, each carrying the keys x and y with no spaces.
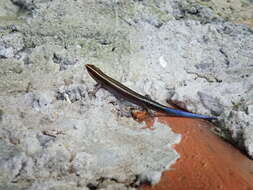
{"x":53,"y":132}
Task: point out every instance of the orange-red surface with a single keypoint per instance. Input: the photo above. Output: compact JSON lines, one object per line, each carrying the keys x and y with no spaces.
{"x":206,"y":161}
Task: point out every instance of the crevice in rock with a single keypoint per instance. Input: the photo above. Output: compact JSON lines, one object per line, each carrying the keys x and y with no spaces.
{"x":103,"y":182}
{"x":16,"y":177}
{"x":1,"y":115}
{"x":227,"y":62}
{"x":25,"y":8}
{"x":188,"y":9}
{"x":209,"y":79}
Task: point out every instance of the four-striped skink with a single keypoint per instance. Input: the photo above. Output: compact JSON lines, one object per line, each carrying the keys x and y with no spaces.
{"x":122,"y":91}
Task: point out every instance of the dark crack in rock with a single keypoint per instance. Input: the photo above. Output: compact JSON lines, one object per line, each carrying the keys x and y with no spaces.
{"x":25,"y":5}
{"x":1,"y":115}
{"x":45,"y":140}
{"x":192,"y":10}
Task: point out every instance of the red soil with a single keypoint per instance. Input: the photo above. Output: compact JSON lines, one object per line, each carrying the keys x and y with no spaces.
{"x":206,"y":161}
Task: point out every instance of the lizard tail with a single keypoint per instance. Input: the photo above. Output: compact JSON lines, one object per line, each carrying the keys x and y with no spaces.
{"x":180,"y":113}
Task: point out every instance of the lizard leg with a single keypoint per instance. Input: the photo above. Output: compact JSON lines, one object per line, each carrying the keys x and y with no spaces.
{"x":148,"y":112}
{"x":148,"y":96}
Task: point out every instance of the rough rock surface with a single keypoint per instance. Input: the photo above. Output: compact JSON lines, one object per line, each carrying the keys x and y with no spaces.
{"x":53,"y":134}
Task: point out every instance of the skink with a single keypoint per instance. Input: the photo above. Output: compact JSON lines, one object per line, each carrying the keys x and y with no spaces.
{"x":122,"y":91}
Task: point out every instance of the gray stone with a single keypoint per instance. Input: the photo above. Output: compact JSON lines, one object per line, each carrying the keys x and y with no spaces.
{"x":211,"y":103}
{"x":12,"y":163}
{"x":10,"y":44}
{"x":6,"y":52}
{"x":55,"y":136}
{"x":1,"y":115}
{"x":71,"y":93}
